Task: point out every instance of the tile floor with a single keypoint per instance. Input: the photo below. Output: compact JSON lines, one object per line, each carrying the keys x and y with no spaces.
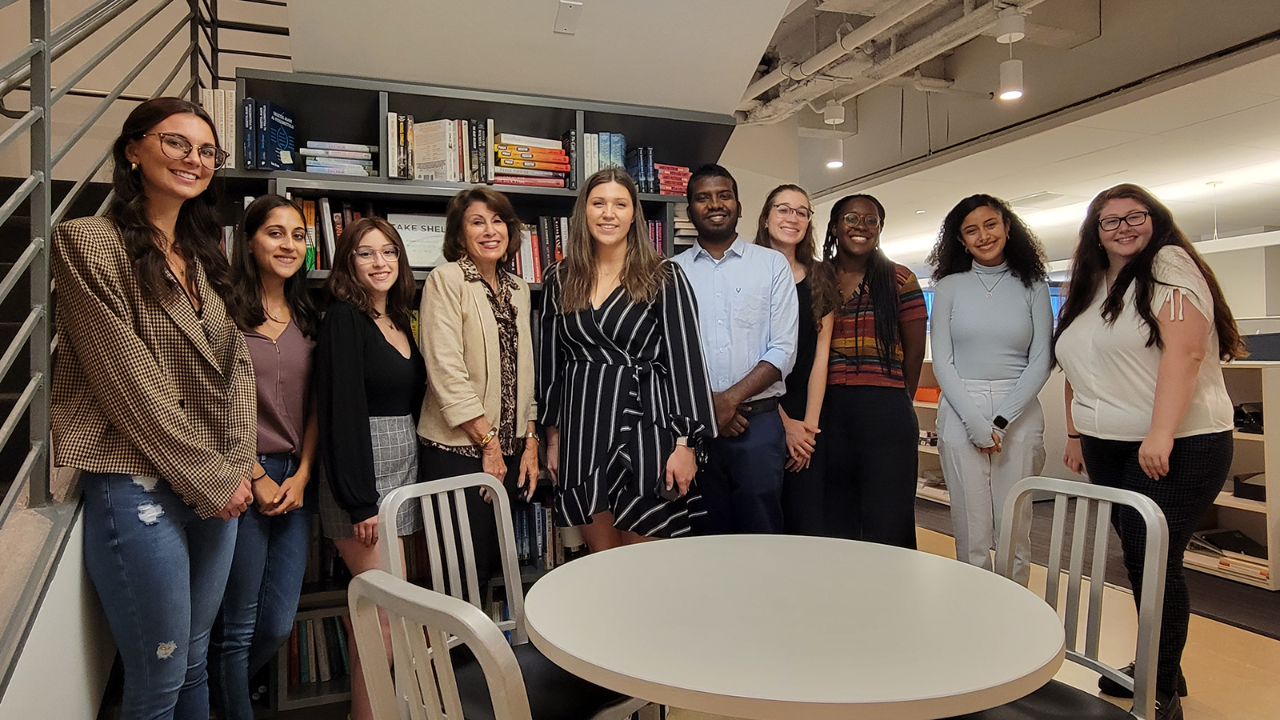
{"x":1233,"y":674}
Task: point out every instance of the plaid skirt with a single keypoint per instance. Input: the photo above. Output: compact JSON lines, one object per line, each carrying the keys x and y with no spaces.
{"x":395,"y":463}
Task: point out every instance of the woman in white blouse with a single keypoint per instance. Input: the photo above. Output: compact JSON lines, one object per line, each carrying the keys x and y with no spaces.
{"x":1143,"y":329}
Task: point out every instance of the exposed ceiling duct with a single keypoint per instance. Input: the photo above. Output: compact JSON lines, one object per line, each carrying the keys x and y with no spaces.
{"x":846,"y":72}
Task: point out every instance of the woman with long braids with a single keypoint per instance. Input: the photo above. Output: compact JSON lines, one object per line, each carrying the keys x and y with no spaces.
{"x":153,"y":399}
{"x":786,"y":225}
{"x":1143,"y":330}
{"x":270,"y":303}
{"x":992,"y":325}
{"x":877,"y":348}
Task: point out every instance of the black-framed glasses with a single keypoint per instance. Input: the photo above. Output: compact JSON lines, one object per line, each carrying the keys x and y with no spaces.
{"x":870,"y":220}
{"x":788,"y":211}
{"x":390,"y":253}
{"x":177,"y":147}
{"x":1136,"y":218}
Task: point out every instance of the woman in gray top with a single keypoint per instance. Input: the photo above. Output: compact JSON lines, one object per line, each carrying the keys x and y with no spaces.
{"x":992,"y":326}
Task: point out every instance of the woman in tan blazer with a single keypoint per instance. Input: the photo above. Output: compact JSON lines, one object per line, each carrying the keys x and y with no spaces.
{"x":478,"y":413}
{"x":153,"y":399}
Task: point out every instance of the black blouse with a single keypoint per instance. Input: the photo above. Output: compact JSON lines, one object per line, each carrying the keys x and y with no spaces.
{"x":359,"y":375}
{"x":797,"y":397}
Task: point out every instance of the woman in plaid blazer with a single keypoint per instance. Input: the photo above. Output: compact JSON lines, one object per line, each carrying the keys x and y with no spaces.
{"x":153,"y":399}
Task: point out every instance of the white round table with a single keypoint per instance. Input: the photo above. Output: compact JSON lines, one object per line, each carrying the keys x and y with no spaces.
{"x":785,"y":627}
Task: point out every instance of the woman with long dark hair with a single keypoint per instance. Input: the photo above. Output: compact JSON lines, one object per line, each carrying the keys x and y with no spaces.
{"x":992,"y":325}
{"x":270,"y":304}
{"x":369,"y":383}
{"x":877,"y":349}
{"x":153,"y":399}
{"x":1143,"y":330}
{"x":622,"y":386}
{"x":786,"y":225}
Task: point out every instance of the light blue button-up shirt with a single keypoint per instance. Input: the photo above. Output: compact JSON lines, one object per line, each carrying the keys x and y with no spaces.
{"x":747,"y":309}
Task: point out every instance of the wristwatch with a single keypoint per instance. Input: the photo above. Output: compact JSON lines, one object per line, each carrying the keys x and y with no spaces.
{"x":1000,"y":422}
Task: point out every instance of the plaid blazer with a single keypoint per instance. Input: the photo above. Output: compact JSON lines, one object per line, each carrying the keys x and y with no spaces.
{"x":143,"y":386}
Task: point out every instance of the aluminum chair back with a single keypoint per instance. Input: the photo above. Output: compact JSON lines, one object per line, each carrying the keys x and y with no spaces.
{"x":1097,"y":501}
{"x":423,"y":622}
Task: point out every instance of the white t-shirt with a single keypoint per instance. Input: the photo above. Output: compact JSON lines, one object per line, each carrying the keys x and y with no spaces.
{"x":1113,"y":373}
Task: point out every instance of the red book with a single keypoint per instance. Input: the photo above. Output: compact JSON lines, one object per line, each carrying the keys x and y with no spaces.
{"x":295,"y":677}
{"x":676,"y":168}
{"x":537,"y":256}
{"x":534,"y":164}
{"x":528,"y":181}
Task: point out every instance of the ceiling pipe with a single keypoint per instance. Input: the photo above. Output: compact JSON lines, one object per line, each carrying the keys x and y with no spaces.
{"x":872,"y":75}
{"x":843,"y":45}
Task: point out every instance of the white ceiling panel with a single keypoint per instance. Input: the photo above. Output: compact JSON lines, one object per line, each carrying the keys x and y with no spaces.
{"x":1177,"y":108}
{"x":1254,"y":127}
{"x":664,"y":53}
{"x":1072,"y":141}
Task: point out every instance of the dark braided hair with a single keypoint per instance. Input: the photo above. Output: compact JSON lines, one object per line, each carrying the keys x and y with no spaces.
{"x":879,"y":284}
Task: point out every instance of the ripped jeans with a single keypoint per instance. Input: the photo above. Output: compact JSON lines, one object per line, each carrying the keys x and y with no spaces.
{"x":160,"y":572}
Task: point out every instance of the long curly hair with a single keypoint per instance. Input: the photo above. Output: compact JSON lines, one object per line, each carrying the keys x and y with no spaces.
{"x":344,"y":285}
{"x":880,"y":280}
{"x":822,"y":279}
{"x":1090,"y":262}
{"x":576,"y":273}
{"x":1023,"y":253}
{"x":244,"y":302}
{"x":197,"y":232}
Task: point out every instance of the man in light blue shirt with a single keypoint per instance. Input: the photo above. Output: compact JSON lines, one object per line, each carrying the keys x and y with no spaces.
{"x":749,"y":317}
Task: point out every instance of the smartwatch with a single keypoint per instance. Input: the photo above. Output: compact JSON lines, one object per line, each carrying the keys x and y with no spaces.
{"x":1000,"y":422}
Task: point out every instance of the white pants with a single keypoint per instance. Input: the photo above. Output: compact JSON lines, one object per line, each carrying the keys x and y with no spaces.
{"x":979,"y":484}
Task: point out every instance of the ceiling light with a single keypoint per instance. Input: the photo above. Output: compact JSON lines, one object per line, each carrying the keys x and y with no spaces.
{"x":838,"y":160}
{"x":833,"y":113}
{"x":1010,"y":26}
{"x":1010,"y":79}
{"x":920,"y":212}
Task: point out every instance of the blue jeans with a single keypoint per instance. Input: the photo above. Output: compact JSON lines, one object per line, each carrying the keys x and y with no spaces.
{"x":159,"y":571}
{"x":262,"y":594}
{"x":741,"y":483}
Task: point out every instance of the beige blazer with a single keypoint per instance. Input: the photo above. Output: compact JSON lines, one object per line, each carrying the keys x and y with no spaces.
{"x":458,"y":336}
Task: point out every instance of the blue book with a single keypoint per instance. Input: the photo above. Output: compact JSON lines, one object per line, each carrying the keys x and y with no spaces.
{"x":279,"y":144}
{"x":249,"y":132}
{"x":618,"y":145}
{"x":602,"y":151}
{"x":260,"y":134}
{"x":304,"y":651}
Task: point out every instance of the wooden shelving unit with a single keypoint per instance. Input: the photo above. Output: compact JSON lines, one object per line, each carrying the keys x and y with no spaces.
{"x":927,"y":415}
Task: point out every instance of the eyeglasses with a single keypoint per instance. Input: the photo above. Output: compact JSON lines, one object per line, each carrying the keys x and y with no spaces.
{"x":788,"y":211}
{"x":177,"y":147}
{"x":1133,"y":219}
{"x":871,"y":220}
{"x":391,"y":253}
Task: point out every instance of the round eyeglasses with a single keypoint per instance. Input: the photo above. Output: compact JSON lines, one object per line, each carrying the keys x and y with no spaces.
{"x":177,"y":147}
{"x":390,"y":253}
{"x":870,"y":220}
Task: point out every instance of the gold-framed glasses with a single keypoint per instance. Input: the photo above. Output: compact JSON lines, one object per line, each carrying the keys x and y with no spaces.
{"x":177,"y":147}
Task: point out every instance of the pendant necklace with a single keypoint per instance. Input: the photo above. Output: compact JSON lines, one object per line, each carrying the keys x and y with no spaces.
{"x":989,"y":290}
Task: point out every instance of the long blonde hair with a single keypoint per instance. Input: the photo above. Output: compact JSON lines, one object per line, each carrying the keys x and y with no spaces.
{"x":577,"y":272}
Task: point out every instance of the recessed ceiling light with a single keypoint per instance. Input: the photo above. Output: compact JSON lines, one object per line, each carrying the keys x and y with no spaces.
{"x":920,"y":212}
{"x":833,"y":164}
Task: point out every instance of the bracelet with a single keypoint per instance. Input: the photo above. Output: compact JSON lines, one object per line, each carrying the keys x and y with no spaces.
{"x":532,"y":436}
{"x":264,"y":474}
{"x":682,"y":441}
{"x":493,"y":433}
{"x":1073,"y":437}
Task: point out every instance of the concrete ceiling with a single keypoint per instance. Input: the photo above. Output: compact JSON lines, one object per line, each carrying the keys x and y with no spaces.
{"x":1222,"y":129}
{"x":664,"y":53}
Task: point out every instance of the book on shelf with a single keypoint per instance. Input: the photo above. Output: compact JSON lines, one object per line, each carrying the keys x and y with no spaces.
{"x":1231,"y":544}
{"x":221,"y":105}
{"x":275,"y":137}
{"x":527,"y":141}
{"x":562,"y":167}
{"x":338,"y":162}
{"x":322,"y":649}
{"x":309,"y":222}
{"x":423,"y":237}
{"x":529,"y":181}
{"x":569,"y":145}
{"x":337,"y":153}
{"x":338,"y":146}
{"x":590,"y":154}
{"x":518,"y":153}
{"x":329,"y":169}
{"x":248,"y":129}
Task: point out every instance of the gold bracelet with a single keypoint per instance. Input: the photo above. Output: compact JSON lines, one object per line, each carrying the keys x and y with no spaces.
{"x":532,"y":436}
{"x":493,"y":433}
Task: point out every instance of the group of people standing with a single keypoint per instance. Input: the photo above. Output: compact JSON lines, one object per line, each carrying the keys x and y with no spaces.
{"x":757,"y":387}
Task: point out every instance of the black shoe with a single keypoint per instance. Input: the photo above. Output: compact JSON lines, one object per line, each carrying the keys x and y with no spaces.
{"x":1115,"y":689}
{"x":1168,"y":707}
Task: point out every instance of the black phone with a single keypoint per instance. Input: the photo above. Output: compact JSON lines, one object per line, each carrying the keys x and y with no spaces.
{"x":666,"y":494}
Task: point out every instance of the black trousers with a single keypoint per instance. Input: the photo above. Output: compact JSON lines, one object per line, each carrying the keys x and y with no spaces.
{"x":870,"y":443}
{"x":1198,"y":467}
{"x":437,"y":464}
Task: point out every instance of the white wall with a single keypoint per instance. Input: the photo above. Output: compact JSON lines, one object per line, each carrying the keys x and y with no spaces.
{"x":761,"y":157}
{"x":63,"y":667}
{"x":1243,"y":277}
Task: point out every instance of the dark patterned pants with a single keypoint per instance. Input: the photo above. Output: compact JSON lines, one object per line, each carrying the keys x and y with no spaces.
{"x":1198,"y":467}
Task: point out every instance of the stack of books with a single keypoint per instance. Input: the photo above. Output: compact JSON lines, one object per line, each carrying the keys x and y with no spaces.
{"x":640,"y":168}
{"x":602,"y":150}
{"x":265,"y":133}
{"x":334,"y":158}
{"x":1228,"y":551}
{"x":672,"y":179}
{"x":685,"y":233}
{"x":221,"y":106}
{"x":439,"y":150}
{"x":532,"y":161}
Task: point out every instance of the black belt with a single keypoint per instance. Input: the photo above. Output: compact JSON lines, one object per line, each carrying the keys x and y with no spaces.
{"x":763,"y":405}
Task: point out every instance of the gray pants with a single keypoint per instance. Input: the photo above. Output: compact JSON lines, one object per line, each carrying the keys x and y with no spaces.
{"x":979,"y":484}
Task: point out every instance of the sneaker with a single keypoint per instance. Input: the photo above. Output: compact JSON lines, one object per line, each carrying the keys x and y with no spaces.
{"x":1168,"y":707}
{"x":1110,"y":687}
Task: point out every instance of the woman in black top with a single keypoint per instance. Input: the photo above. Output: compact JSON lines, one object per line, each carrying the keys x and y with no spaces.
{"x":369,"y":382}
{"x":785,"y":225}
{"x":622,"y":386}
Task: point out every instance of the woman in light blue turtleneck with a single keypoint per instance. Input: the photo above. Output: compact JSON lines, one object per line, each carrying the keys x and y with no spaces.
{"x":992,"y":326}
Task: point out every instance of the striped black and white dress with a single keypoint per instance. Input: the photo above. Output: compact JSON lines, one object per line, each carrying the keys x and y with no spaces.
{"x":622,"y":382}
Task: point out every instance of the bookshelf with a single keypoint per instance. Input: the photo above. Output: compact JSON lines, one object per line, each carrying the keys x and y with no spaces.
{"x":929,"y":486}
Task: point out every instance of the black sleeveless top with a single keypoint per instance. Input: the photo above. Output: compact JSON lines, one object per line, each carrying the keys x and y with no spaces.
{"x":794,"y":402}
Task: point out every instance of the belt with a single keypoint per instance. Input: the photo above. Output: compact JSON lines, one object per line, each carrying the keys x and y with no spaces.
{"x":755,"y":407}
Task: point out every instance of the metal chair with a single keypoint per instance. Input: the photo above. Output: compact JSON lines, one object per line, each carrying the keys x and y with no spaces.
{"x":1055,"y":699}
{"x":547,"y":691}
